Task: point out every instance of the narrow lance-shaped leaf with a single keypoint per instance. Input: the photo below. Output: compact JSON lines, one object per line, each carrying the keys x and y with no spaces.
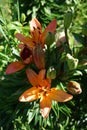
{"x":67,"y":19}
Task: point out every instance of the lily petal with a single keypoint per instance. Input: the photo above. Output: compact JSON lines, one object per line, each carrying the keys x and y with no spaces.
{"x":35,"y":30}
{"x":35,"y":36}
{"x":14,"y":67}
{"x":41,"y":77}
{"x":30,"y":95}
{"x":26,"y":40}
{"x":59,"y":95}
{"x":21,"y":45}
{"x":41,"y":74}
{"x":35,"y":24}
{"x":45,"y":105}
{"x":32,"y":77}
{"x":51,"y":26}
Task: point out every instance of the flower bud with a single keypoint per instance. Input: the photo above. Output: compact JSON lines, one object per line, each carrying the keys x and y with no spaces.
{"x":26,"y":54}
{"x":50,"y":38}
{"x":23,"y":17}
{"x":60,"y":38}
{"x":67,"y":19}
{"x":71,"y":61}
{"x":1,"y":48}
{"x":51,"y":73}
{"x":74,"y":87}
{"x":39,"y":56}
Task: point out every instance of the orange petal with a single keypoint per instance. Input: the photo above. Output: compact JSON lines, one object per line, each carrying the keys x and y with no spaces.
{"x":42,"y":38}
{"x":35,"y":24}
{"x":45,"y":82}
{"x":41,"y":74}
{"x":52,"y":26}
{"x":28,"y":60}
{"x":30,"y":95}
{"x":59,"y":95}
{"x":35,"y":30}
{"x":32,"y":77}
{"x":21,"y":45}
{"x":14,"y":67}
{"x":39,"y":56}
{"x":35,"y":36}
{"x":41,"y":78}
{"x":26,"y":40}
{"x":45,"y":105}
{"x":29,"y":42}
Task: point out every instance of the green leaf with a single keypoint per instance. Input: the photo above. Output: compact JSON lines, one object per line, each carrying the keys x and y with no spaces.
{"x":84,"y":31}
{"x":67,"y":19}
{"x":31,"y":115}
{"x":3,"y":33}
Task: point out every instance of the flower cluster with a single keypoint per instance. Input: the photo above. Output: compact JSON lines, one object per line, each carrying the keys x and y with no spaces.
{"x":34,"y":49}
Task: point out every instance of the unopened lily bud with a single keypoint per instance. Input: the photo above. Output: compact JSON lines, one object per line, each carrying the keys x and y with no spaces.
{"x":83,"y":62}
{"x":39,"y":56}
{"x":23,"y":17}
{"x":1,"y":48}
{"x":67,"y":19}
{"x":51,"y":73}
{"x":60,"y":38}
{"x":71,"y":61}
{"x":50,"y":38}
{"x":74,"y":87}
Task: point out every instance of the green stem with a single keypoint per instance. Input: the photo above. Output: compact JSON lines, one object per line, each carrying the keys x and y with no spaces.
{"x":67,"y":41}
{"x":18,"y":10}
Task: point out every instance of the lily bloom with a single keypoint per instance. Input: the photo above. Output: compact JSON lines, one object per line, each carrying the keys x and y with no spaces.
{"x":37,"y":56}
{"x":29,"y":46}
{"x":37,"y":36}
{"x":26,"y":58}
{"x":42,"y":90}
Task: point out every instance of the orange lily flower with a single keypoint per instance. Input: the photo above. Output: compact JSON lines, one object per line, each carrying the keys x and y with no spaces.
{"x":37,"y":56}
{"x":26,"y":58}
{"x":42,"y":90}
{"x":37,"y":36}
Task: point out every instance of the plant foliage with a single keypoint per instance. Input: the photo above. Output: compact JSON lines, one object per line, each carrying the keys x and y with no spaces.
{"x":71,"y":20}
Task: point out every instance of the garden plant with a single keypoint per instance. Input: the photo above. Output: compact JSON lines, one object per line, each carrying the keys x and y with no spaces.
{"x":43,"y":65}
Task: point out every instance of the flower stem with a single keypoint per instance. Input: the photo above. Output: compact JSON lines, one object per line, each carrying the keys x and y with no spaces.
{"x":67,"y":42}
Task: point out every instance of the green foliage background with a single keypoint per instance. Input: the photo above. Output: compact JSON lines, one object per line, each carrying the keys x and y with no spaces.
{"x":14,"y":17}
